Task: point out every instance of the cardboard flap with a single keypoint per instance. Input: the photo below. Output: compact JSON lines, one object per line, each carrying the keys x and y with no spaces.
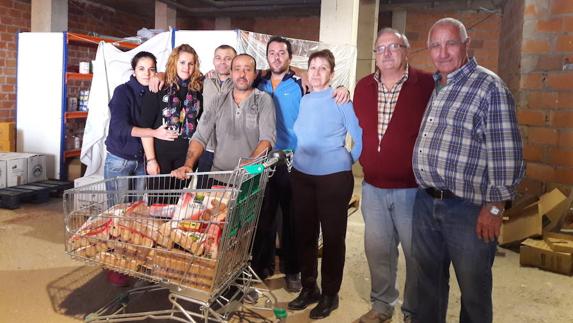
{"x":559,"y":241}
{"x":527,"y":221}
{"x":549,"y":201}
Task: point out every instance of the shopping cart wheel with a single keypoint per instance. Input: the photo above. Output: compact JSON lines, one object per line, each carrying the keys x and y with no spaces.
{"x":91,"y":317}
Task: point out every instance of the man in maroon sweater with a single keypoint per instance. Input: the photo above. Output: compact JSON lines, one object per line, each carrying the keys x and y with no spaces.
{"x":389,"y":105}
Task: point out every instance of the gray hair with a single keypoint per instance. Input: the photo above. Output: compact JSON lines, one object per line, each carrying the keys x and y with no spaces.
{"x":452,"y":22}
{"x":388,"y":30}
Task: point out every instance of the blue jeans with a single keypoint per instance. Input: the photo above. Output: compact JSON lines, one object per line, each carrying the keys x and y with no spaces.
{"x":388,"y":221}
{"x":444,"y":234}
{"x":116,"y":166}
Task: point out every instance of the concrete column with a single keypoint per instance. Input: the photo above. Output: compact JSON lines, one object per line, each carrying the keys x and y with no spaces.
{"x":351,"y":22}
{"x":339,"y":21}
{"x":165,"y":16}
{"x":367,"y":31}
{"x":222,"y":23}
{"x":49,"y":16}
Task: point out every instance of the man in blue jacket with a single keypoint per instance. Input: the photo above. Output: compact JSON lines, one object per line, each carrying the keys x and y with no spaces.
{"x":287,"y":90}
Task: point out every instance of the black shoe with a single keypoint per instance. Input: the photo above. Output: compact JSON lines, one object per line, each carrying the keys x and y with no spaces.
{"x":326,"y":305}
{"x":305,"y":298}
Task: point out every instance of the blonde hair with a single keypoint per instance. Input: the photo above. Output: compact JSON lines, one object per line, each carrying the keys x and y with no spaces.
{"x":195,"y":82}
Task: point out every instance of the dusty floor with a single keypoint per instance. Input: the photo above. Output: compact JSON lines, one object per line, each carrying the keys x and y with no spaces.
{"x":40,"y":283}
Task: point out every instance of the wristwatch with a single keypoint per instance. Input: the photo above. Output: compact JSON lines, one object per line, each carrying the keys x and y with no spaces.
{"x":494,"y":210}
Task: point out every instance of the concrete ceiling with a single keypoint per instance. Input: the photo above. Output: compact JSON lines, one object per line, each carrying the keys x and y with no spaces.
{"x":214,"y":8}
{"x":258,"y":8}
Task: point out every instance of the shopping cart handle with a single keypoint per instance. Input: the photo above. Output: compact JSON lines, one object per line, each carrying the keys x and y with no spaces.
{"x":254,"y":169}
{"x":275,"y":157}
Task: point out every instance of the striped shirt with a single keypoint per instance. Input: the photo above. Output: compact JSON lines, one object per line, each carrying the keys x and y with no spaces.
{"x":469,"y":141}
{"x":387,"y":99}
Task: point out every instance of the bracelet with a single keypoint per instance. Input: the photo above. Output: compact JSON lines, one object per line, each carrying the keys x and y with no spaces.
{"x":150,"y":160}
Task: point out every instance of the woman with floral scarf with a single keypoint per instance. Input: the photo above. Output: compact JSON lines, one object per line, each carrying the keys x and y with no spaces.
{"x":177,"y":106}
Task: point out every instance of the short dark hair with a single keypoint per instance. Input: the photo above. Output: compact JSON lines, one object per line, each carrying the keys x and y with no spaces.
{"x":247,"y":55}
{"x":326,"y":54}
{"x":225,"y":46}
{"x":140,"y":55}
{"x":279,"y":39}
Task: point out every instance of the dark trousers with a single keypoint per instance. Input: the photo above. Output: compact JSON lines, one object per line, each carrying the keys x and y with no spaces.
{"x":167,"y":161}
{"x":321,"y":202}
{"x":444,"y":233}
{"x":277,"y":193}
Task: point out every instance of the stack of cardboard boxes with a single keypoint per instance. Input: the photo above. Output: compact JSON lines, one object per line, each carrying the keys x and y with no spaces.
{"x":21,"y":168}
{"x":18,"y":168}
{"x":538,"y":224}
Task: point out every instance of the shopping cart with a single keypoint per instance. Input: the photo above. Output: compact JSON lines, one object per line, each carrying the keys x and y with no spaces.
{"x":190,"y":237}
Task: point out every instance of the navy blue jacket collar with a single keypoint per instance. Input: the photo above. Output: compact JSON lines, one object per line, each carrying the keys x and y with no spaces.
{"x":137,"y":88}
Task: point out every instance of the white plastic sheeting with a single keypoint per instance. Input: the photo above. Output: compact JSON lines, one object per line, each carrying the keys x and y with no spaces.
{"x":345,"y":56}
{"x":112,"y":68}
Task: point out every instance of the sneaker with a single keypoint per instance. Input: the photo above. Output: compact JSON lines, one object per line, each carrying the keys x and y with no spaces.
{"x":293,"y":283}
{"x":374,"y":317}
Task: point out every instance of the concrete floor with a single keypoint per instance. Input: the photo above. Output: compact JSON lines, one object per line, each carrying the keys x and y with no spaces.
{"x":40,"y":283}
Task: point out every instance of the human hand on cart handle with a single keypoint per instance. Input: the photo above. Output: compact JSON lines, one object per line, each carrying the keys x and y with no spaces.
{"x":165,"y":134}
{"x":156,"y":82}
{"x":182,"y":172}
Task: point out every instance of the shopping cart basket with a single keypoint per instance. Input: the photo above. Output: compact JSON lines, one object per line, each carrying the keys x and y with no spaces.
{"x":191,"y":237}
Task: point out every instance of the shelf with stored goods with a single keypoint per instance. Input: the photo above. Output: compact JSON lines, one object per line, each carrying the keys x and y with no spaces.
{"x":53,"y":114}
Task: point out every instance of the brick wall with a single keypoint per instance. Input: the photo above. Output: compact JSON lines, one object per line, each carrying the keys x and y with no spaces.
{"x":545,"y":101}
{"x":484,"y":35}
{"x":89,"y":18}
{"x":85,"y":17}
{"x":510,"y":44}
{"x":295,"y":27}
{"x":14,"y":18}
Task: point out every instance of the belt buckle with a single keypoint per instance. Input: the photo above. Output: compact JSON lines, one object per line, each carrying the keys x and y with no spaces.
{"x":441,"y":194}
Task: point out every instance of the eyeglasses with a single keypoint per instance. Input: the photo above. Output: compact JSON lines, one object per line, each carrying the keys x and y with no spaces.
{"x":449,"y":43}
{"x":394,"y":47}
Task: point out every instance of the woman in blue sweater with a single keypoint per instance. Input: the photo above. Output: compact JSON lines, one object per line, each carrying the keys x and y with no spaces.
{"x":322,"y":185}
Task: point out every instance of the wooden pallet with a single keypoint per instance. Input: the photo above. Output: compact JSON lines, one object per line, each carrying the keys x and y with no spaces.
{"x":38,"y":192}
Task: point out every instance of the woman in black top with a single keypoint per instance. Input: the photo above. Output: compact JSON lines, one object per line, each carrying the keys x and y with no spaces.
{"x":177,"y":106}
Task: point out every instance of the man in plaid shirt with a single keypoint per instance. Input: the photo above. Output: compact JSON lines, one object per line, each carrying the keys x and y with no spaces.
{"x":467,"y":160}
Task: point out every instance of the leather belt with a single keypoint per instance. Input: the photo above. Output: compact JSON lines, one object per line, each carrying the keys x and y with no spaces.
{"x":439,"y":194}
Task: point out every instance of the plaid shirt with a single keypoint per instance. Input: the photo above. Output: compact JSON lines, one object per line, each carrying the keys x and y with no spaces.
{"x":387,"y":102}
{"x":469,"y":141}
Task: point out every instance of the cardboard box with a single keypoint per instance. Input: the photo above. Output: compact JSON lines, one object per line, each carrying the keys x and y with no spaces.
{"x":8,"y":131}
{"x":2,"y":173}
{"x":521,"y":222}
{"x":537,"y":253}
{"x":7,"y":145}
{"x":559,"y":242}
{"x":87,"y":200}
{"x":16,"y":169}
{"x":36,"y":167}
